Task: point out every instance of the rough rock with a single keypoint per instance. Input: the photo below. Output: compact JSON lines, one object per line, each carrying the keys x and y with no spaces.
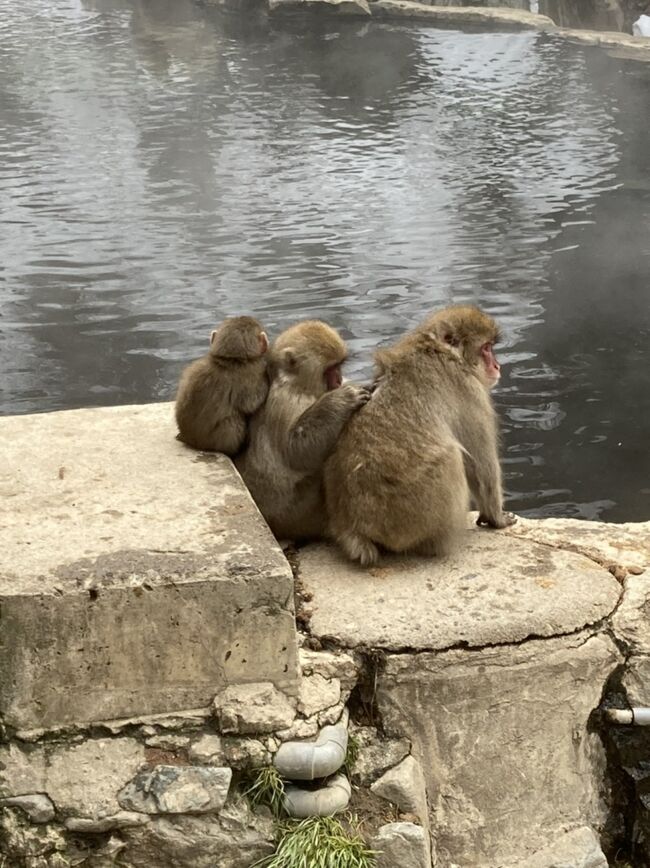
{"x":37,"y":806}
{"x":577,"y":849}
{"x":636,"y":680}
{"x":404,"y":786}
{"x":331,"y":715}
{"x":208,"y":748}
{"x":242,"y":753}
{"x":299,"y":729}
{"x":168,"y":742}
{"x":253,"y":709}
{"x":341,"y":7}
{"x":496,"y":589}
{"x":631,"y":621}
{"x":121,"y":820}
{"x":81,"y":779}
{"x":471,"y":16}
{"x":20,"y":838}
{"x":631,"y":625}
{"x":177,"y":790}
{"x":401,"y":845}
{"x":376,"y":754}
{"x":149,"y":724}
{"x":330,"y":665}
{"x":235,"y":839}
{"x":167,"y":601}
{"x":624,"y":544}
{"x":504,"y":738}
{"x":318,"y":694}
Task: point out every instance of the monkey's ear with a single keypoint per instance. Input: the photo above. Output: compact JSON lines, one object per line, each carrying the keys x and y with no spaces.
{"x":446,"y":334}
{"x":289,"y":359}
{"x":213,"y":336}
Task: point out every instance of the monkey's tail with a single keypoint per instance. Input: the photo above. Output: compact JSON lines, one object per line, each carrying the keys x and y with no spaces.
{"x":358,"y":548}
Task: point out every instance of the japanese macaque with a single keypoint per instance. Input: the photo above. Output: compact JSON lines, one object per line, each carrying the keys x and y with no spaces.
{"x":401,"y":474}
{"x":297,"y":428}
{"x":218,"y":392}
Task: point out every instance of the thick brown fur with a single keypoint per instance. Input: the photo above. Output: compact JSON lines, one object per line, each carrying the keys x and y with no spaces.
{"x":218,"y":392}
{"x":401,"y":474}
{"x":297,"y":428}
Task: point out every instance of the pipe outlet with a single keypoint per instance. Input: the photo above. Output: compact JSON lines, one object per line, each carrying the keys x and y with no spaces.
{"x":323,"y":802}
{"x":635,"y":716}
{"x":305,"y":760}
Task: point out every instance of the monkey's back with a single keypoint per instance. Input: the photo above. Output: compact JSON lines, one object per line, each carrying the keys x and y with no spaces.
{"x":290,"y":500}
{"x":397,"y":475}
{"x":206,"y":407}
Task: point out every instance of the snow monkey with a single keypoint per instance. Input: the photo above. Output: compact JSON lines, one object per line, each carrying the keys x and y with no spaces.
{"x":217,"y":392}
{"x":401,"y":474}
{"x":297,"y":428}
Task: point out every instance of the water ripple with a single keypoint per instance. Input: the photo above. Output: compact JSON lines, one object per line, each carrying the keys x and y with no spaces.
{"x":163,"y":165}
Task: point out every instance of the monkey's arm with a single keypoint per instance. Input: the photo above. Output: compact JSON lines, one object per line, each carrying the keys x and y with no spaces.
{"x":483,"y":471}
{"x":313,"y":435}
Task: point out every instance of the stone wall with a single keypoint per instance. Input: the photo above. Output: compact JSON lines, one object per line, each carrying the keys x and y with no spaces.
{"x":150,"y":662}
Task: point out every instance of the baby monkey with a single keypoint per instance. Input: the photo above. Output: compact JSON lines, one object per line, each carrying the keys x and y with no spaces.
{"x":217,"y":392}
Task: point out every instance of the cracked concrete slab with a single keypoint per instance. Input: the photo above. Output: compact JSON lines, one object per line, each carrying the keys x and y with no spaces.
{"x":623,"y":545}
{"x":136,"y":575}
{"x":495,"y":590}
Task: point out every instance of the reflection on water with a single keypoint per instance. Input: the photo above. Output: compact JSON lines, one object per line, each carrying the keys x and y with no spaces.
{"x":163,"y":165}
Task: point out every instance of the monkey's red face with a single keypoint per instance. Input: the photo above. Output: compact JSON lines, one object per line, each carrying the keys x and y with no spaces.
{"x":333,"y":377}
{"x":492,"y":367}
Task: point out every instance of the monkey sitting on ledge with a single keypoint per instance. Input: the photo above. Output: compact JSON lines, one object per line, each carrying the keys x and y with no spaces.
{"x":297,"y":428}
{"x":401,"y":474}
{"x":217,"y":392}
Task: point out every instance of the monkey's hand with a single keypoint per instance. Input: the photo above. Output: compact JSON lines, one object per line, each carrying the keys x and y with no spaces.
{"x":353,"y":396}
{"x":313,"y":435}
{"x":506,"y":519}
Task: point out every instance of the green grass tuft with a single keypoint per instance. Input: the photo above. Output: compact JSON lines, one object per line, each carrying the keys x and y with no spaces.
{"x":267,"y":788}
{"x":319,"y":842}
{"x":351,"y":754}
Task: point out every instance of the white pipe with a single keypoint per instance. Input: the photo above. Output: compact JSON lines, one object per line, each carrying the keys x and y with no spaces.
{"x":305,"y":761}
{"x":634,"y":716}
{"x":323,"y":802}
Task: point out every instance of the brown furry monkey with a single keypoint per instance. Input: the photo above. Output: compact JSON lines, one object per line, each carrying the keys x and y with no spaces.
{"x":217,"y":392}
{"x":297,"y":428}
{"x":401,"y":475}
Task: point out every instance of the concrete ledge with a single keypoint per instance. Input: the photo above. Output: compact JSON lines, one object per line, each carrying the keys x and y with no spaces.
{"x":136,"y":575}
{"x":621,"y":44}
{"x":496,"y":590}
{"x":462,"y":16}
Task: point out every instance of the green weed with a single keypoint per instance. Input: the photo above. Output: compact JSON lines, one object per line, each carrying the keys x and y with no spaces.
{"x":319,"y":842}
{"x":267,"y":788}
{"x":351,"y":754}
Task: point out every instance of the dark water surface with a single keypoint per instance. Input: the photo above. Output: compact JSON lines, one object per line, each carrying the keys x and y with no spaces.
{"x":163,"y":165}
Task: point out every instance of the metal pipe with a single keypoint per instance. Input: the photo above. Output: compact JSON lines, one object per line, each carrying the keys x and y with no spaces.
{"x":629,"y":716}
{"x":323,"y":802}
{"x":305,"y":761}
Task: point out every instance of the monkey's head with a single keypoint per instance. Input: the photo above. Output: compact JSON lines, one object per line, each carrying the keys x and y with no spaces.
{"x":239,"y":337}
{"x":311,"y":353}
{"x":472,"y":334}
